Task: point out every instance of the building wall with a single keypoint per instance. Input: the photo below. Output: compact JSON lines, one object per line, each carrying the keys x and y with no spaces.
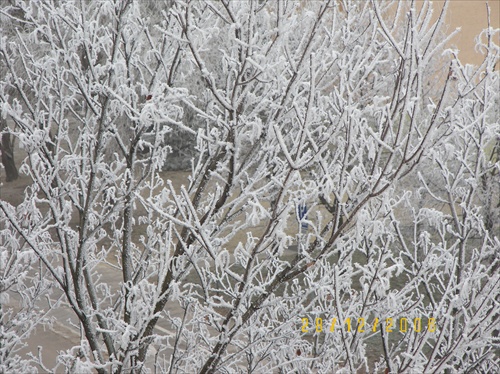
{"x":471,"y":17}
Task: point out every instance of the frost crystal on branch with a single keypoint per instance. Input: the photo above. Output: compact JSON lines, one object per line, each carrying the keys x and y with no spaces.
{"x":340,"y":212}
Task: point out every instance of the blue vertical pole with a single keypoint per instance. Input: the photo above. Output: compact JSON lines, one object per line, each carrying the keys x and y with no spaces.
{"x":302,"y":211}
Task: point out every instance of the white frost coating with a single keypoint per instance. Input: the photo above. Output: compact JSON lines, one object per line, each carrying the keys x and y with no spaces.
{"x":283,"y":146}
{"x":254,"y":63}
{"x":379,"y":141}
{"x":274,"y":106}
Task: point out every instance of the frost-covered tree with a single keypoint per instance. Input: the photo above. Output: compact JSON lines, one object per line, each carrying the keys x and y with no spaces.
{"x":339,"y":107}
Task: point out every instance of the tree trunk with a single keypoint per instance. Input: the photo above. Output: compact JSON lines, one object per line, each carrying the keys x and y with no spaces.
{"x":7,"y":149}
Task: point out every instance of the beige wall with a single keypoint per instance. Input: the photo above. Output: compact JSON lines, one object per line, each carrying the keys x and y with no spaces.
{"x":471,"y":17}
